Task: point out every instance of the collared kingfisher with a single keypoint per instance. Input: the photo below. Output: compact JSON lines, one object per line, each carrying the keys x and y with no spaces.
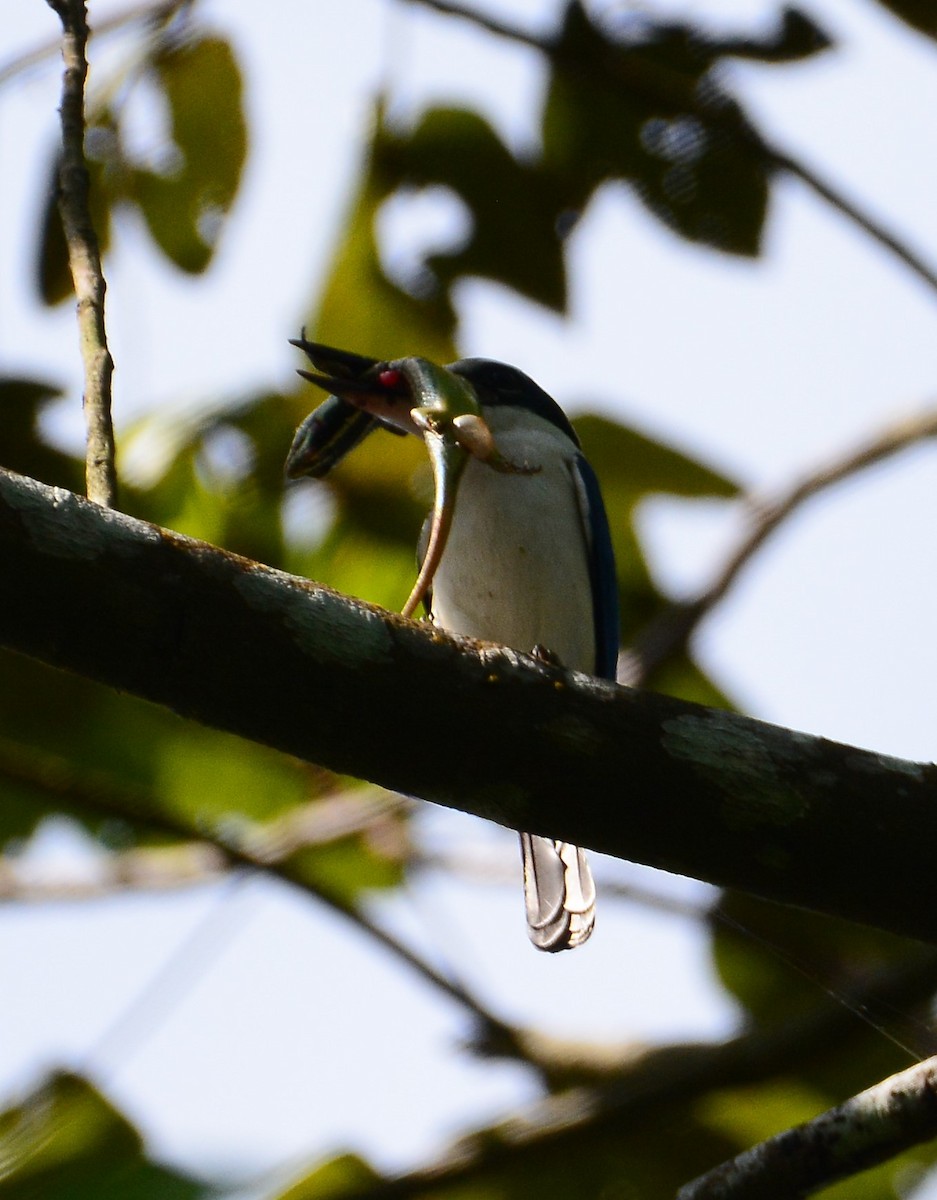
{"x":527,"y":560}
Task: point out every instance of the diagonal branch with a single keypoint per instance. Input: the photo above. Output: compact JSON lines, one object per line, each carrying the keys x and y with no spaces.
{"x":868,"y":1129}
{"x":783,"y":161}
{"x":84,"y":257}
{"x":288,"y":663}
{"x":669,"y":633}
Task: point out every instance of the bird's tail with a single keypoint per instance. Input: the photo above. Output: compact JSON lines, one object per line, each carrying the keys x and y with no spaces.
{"x":559,"y":892}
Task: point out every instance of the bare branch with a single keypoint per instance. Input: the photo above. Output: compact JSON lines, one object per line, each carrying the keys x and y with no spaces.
{"x":851,"y":210}
{"x":670,"y":632}
{"x":868,"y":1129}
{"x":84,"y":257}
{"x":486,"y":21}
{"x":144,"y":869}
{"x":320,"y":822}
{"x":288,"y":663}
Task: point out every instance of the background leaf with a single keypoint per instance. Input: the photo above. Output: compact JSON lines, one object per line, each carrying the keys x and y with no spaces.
{"x":185,"y":205}
{"x":67,"y":1142}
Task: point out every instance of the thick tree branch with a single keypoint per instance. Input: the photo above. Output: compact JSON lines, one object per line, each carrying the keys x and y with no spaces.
{"x":670,"y":632}
{"x":868,"y":1129}
{"x":645,"y":777}
{"x":84,"y":257}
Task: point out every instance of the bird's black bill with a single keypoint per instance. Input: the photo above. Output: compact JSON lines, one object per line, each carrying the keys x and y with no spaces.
{"x":360,"y":388}
{"x":338,"y":425}
{"x":330,"y":361}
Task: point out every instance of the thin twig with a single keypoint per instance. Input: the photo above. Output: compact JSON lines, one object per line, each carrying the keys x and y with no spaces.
{"x":84,"y":258}
{"x":868,"y":1129}
{"x":645,"y":86}
{"x":670,"y":632}
{"x":838,"y":200}
{"x":491,"y":24}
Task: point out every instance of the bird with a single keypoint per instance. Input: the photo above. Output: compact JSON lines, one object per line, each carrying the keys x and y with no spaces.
{"x":528,"y":563}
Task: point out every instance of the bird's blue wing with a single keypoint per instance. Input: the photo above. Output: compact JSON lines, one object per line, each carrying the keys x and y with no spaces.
{"x":601,"y":572}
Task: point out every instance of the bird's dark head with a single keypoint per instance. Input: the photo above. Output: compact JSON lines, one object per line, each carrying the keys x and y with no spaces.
{"x":497,"y":384}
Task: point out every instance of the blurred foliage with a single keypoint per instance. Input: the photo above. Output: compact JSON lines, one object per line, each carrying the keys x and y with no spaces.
{"x":642,"y":102}
{"x":359,"y":306}
{"x":336,"y":1177}
{"x":186,"y":187}
{"x":24,"y":448}
{"x":782,"y":964}
{"x":66,"y":1142}
{"x":645,"y":107}
{"x":514,"y":206}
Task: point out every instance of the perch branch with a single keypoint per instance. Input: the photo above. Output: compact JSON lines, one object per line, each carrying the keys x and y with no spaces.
{"x":334,"y":681}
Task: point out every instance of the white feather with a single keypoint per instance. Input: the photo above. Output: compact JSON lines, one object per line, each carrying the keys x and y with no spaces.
{"x":516,"y":571}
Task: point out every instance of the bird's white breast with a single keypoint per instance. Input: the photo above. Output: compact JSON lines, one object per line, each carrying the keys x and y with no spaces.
{"x":515,"y":568}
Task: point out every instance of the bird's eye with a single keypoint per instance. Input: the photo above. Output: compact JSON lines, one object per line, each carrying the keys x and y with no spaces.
{"x":392,"y":379}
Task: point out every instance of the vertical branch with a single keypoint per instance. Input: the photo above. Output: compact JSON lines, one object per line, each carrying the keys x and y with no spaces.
{"x":84,"y":257}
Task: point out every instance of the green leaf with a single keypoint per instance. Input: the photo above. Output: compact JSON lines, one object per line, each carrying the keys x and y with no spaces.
{"x":681,"y":677}
{"x":360,"y":307}
{"x":239,"y":508}
{"x":24,"y":450}
{"x":340,"y":1175}
{"x":784,"y":965}
{"x":515,"y":205}
{"x":643,"y":1160}
{"x":631,"y":466}
{"x":631,"y":463}
{"x":66,"y":1142}
{"x":185,"y":208}
{"x":53,"y":276}
{"x":214,"y":779}
{"x":346,"y":867}
{"x":779,"y":962}
{"x":246,"y":793}
{"x":652,"y":112}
